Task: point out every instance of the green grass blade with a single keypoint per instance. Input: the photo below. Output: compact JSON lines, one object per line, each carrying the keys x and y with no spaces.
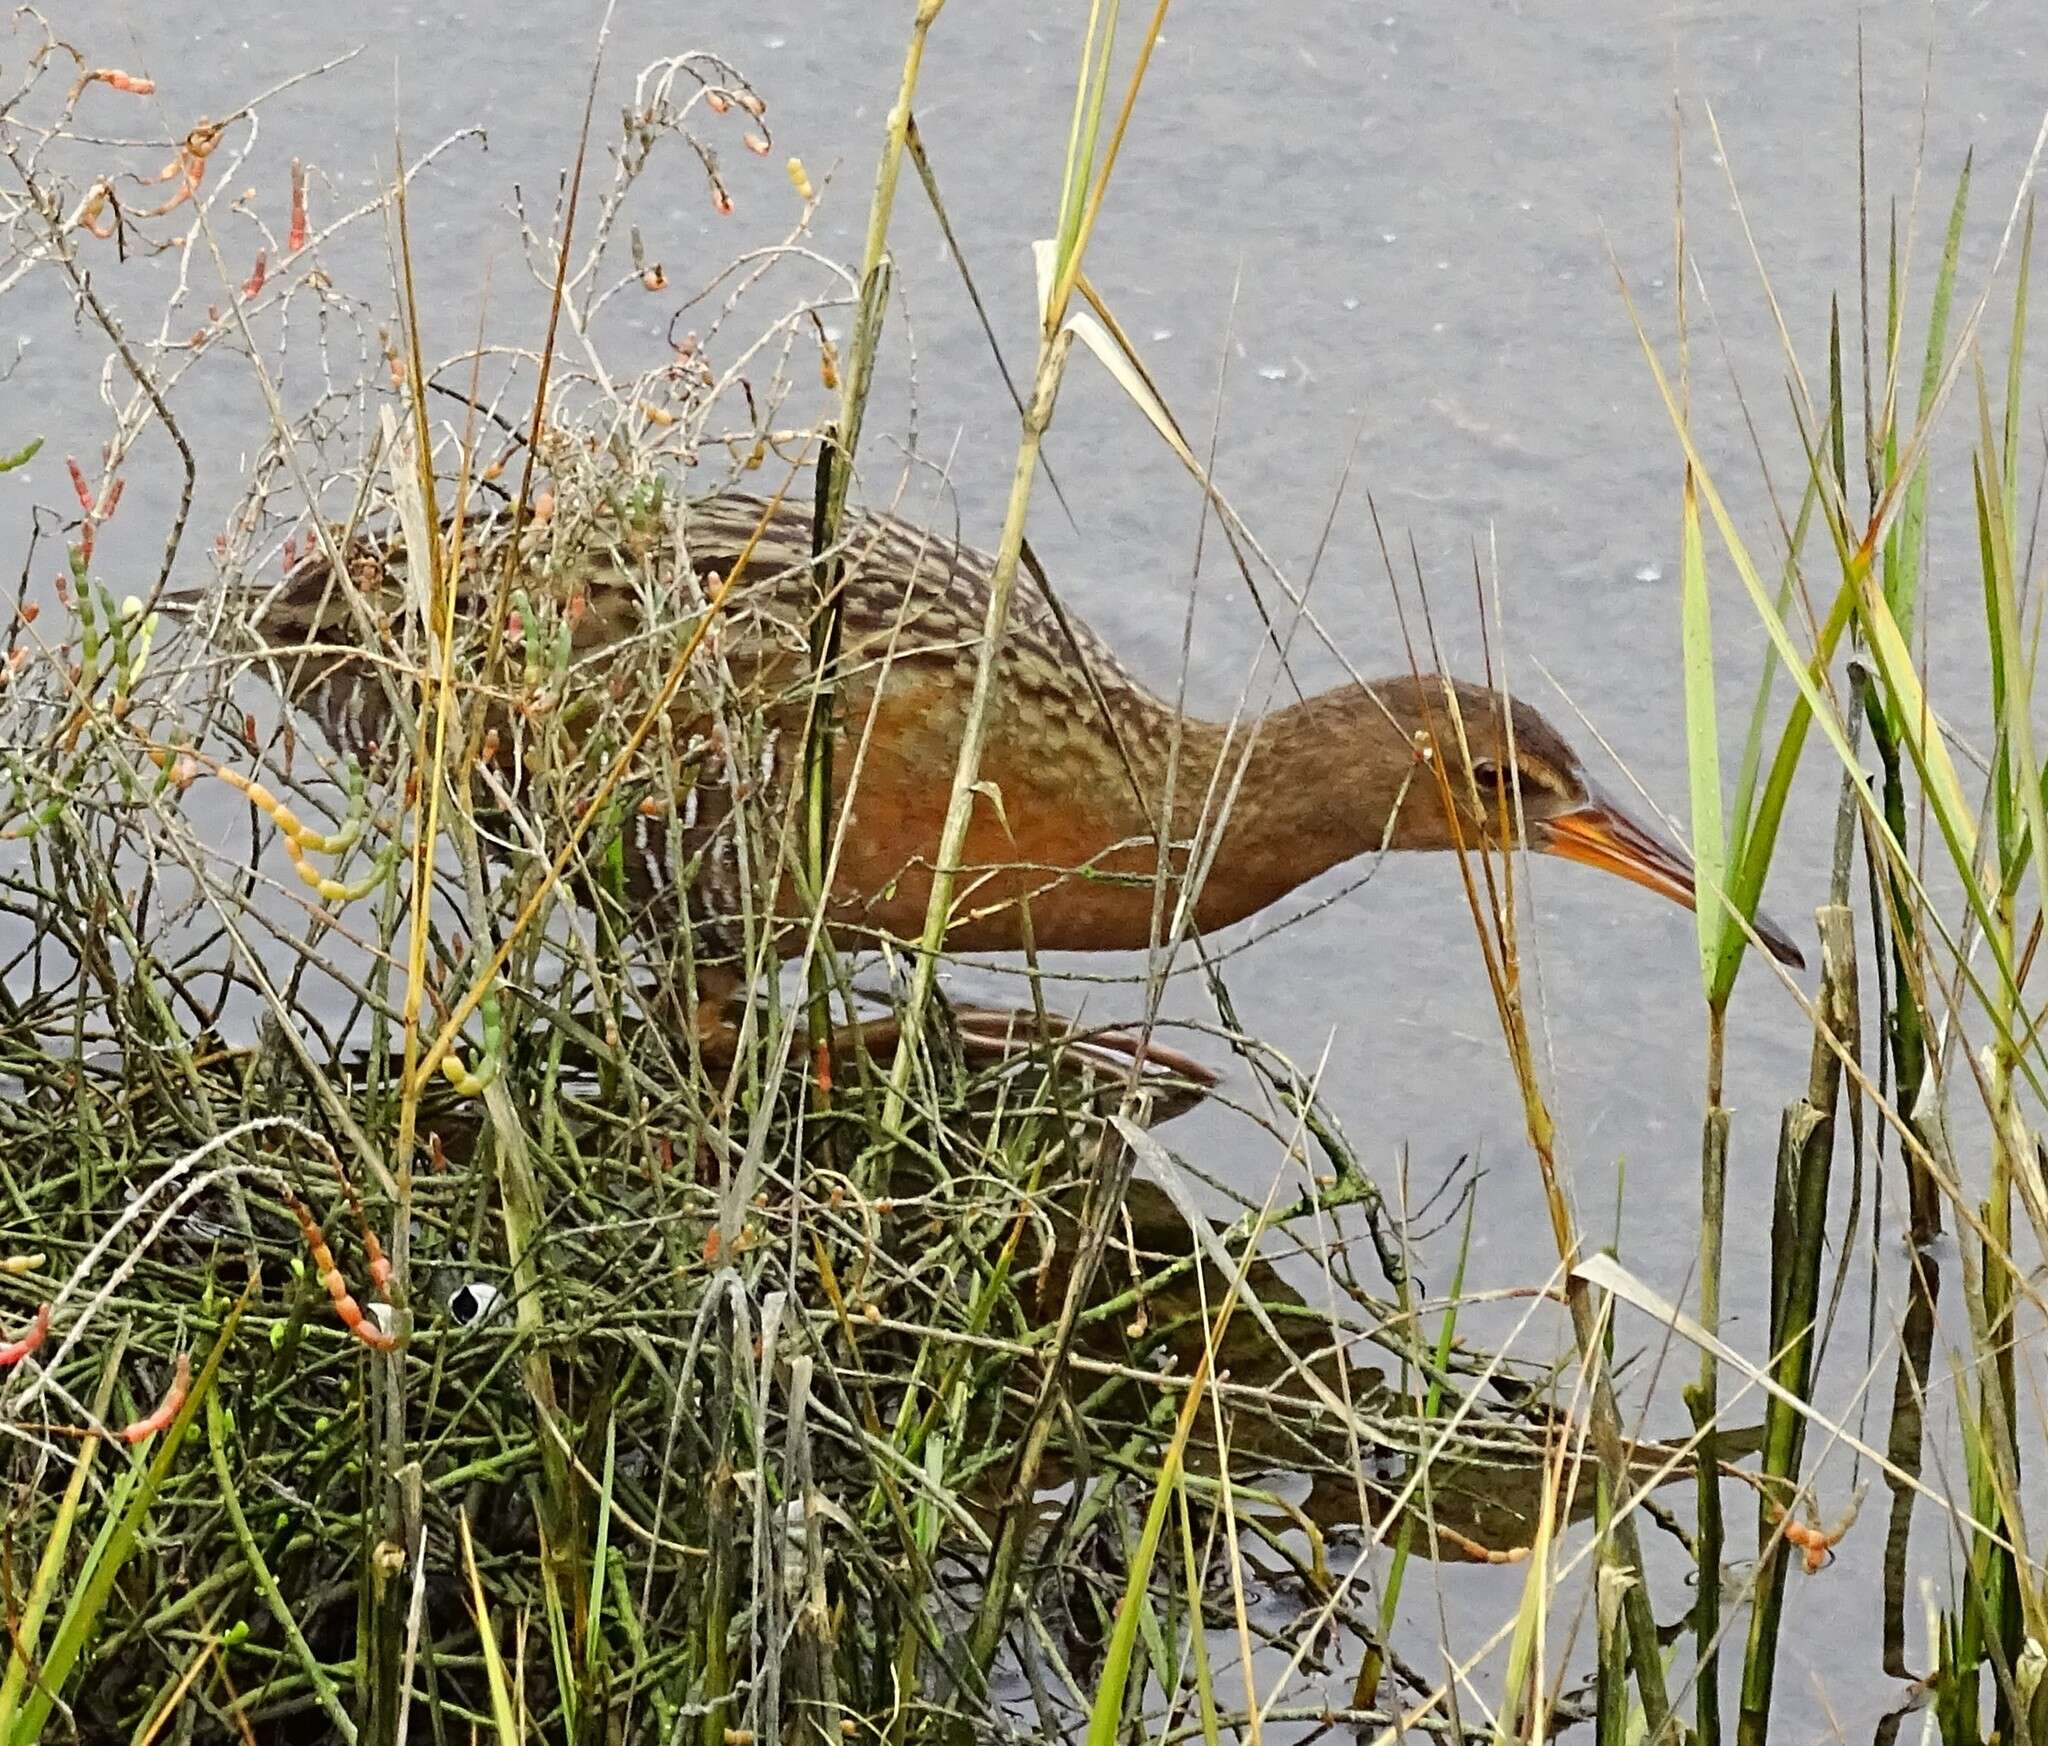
{"x":2012,"y":675}
{"x":265,"y":1583}
{"x":1702,"y":735}
{"x":1747,"y":772}
{"x":1754,"y":839}
{"x":1118,"y":1662}
{"x":1105,"y":1716}
{"x":1521,"y":1685}
{"x":1902,"y":581}
{"x":594,"y":1638}
{"x":555,"y":1612}
{"x":82,"y":1615}
{"x":1091,"y":74}
{"x":28,"y":1629}
{"x":2002,"y":796}
{"x":2015,"y":352}
{"x":1198,"y":1639}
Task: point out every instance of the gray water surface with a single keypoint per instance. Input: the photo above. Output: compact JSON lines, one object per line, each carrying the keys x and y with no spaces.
{"x":1387,"y":222}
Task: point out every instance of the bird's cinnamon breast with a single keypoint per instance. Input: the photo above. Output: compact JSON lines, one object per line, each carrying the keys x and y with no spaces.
{"x":1055,"y":827}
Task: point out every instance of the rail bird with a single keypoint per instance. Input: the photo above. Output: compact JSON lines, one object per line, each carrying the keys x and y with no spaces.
{"x":1087,"y":777}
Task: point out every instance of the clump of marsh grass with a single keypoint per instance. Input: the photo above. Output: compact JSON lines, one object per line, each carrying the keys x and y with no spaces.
{"x":407,"y":1332}
{"x":1945,"y":881}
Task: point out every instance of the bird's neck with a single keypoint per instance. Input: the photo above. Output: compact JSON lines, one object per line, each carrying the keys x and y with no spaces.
{"x":1319,"y":780}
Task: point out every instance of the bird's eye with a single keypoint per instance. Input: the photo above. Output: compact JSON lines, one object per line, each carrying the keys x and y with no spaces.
{"x":1504,"y":785}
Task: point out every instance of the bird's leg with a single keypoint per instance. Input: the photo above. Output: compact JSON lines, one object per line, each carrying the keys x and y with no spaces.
{"x":996,"y":1037}
{"x":989,"y":1038}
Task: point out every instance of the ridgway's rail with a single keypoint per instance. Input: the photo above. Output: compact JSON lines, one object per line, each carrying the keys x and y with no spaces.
{"x":1075,"y":761}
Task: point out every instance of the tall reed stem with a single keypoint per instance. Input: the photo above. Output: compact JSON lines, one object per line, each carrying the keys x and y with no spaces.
{"x":1703,"y":1398}
{"x":1055,"y":342}
{"x":835,"y":476}
{"x":1806,"y":1141}
{"x":1645,"y":1654}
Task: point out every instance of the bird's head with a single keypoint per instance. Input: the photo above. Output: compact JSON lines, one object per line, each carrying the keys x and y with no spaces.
{"x":1512,"y":779}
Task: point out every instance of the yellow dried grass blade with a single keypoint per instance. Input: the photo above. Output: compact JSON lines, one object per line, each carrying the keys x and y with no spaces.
{"x":486,"y":1633}
{"x":1916,"y":723}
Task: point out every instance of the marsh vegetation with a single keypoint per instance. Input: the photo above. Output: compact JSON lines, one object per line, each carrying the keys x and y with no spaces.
{"x":413,"y":1331}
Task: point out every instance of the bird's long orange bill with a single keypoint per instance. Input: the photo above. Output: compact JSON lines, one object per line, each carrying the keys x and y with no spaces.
{"x":1599,"y":834}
